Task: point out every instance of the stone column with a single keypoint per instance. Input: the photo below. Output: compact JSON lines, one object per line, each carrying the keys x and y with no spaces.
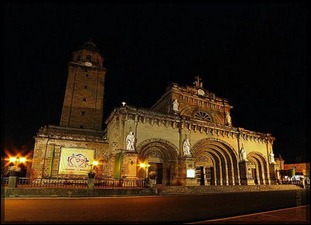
{"x":245,"y":173}
{"x":272,"y":167}
{"x":186,"y":168}
{"x":129,"y":165}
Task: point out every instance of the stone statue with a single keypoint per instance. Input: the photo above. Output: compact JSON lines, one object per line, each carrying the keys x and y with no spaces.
{"x":175,"y":105}
{"x":271,"y":155}
{"x":228,"y":119}
{"x":242,"y":154}
{"x":130,"y":140}
{"x":186,"y":148}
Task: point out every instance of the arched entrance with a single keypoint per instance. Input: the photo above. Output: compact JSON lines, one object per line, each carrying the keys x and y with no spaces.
{"x":217,"y":162}
{"x":204,"y":167}
{"x":259,"y":168}
{"x":161,"y":155}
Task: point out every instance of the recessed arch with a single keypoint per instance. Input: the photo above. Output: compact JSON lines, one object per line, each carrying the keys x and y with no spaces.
{"x":162,"y":158}
{"x":168,"y":150}
{"x":224,"y":157}
{"x":261,"y":166}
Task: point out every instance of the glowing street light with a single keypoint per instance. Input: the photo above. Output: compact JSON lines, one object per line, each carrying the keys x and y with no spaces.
{"x":14,"y":163}
{"x":22,"y":160}
{"x":14,"y":169}
{"x":12,"y":159}
{"x":17,"y":160}
{"x":92,"y":166}
{"x":95,"y":163}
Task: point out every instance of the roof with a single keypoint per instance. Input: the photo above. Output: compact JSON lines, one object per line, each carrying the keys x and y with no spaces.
{"x":89,"y":45}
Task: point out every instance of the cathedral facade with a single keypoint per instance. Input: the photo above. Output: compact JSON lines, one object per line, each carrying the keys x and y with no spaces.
{"x":186,"y":138}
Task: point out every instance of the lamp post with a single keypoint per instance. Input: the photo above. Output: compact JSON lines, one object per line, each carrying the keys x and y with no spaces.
{"x":14,"y":169}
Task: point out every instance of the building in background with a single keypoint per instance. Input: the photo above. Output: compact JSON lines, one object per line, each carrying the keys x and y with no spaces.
{"x":296,"y":171}
{"x":291,"y":172}
{"x":186,"y":138}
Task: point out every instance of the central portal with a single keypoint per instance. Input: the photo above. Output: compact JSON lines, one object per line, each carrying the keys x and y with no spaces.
{"x":157,"y":169}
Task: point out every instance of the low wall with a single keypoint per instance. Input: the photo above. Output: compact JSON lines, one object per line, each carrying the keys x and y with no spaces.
{"x":73,"y":192}
{"x":161,"y":190}
{"x":166,"y":190}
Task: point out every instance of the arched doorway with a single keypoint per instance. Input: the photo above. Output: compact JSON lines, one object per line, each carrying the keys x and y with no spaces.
{"x":161,"y":156}
{"x":217,"y":162}
{"x":259,"y":168}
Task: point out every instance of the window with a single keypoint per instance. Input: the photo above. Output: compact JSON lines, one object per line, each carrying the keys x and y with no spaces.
{"x":201,"y":115}
{"x":82,"y":113}
{"x":85,"y":87}
{"x":78,"y":58}
{"x":87,"y":75}
{"x":89,"y":58}
{"x":84,"y":99}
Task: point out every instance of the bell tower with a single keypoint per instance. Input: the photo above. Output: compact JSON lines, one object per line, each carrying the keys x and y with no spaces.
{"x":84,"y":95}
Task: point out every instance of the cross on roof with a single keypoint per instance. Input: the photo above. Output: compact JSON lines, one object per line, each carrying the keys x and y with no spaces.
{"x":197,"y":82}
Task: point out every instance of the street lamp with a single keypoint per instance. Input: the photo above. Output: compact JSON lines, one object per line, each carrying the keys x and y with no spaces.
{"x":94,"y":163}
{"x":14,"y":169}
{"x":16,"y":161}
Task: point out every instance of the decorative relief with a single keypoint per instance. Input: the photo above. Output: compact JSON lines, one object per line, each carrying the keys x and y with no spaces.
{"x":155,"y":154}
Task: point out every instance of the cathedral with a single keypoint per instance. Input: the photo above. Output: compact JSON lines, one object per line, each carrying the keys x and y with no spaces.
{"x":186,"y":138}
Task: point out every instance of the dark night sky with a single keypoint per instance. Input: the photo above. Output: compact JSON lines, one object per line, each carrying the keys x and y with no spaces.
{"x":256,"y":55}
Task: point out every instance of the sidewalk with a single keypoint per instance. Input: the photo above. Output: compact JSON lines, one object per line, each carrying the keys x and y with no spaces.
{"x":294,"y":215}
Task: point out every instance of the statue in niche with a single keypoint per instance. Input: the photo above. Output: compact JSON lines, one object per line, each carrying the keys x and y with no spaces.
{"x":186,"y":148}
{"x":175,"y":105}
{"x":130,"y":141}
{"x":242,"y":154}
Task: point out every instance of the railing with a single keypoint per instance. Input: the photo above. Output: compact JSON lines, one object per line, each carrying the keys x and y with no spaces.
{"x":23,"y":182}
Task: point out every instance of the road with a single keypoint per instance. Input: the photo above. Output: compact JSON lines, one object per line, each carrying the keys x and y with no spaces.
{"x":147,"y":209}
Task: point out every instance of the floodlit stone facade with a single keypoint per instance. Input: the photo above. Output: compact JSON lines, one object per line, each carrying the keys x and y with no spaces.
{"x":186,"y":138}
